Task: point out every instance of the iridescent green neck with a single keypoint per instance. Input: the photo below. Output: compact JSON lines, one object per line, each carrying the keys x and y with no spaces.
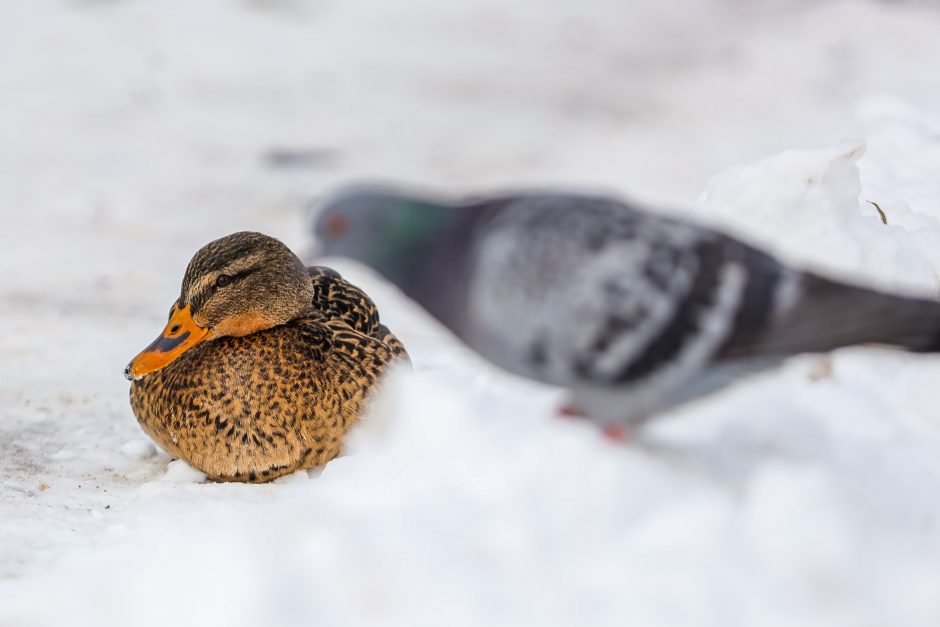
{"x":411,"y":230}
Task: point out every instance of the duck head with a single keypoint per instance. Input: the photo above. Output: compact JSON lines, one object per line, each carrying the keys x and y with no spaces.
{"x":237,"y":285}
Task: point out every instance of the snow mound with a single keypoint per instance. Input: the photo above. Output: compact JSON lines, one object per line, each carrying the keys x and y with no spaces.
{"x":808,"y":206}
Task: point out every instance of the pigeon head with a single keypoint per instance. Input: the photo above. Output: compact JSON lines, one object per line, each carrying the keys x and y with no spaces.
{"x":380,"y":227}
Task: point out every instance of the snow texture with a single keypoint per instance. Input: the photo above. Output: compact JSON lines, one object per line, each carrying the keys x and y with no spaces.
{"x":133,"y":132}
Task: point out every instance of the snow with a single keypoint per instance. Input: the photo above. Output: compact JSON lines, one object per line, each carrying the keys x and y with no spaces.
{"x":131,"y":133}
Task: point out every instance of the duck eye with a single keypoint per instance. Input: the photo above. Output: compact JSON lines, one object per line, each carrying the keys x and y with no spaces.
{"x":223,"y":280}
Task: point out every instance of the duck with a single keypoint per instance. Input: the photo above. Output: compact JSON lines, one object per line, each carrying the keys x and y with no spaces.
{"x":264,"y":365}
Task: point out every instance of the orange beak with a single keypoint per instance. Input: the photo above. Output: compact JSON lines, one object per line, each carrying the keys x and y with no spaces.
{"x":180,"y":334}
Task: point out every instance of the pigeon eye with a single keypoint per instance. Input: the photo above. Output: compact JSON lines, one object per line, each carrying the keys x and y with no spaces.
{"x":223,"y":280}
{"x":337,"y":225}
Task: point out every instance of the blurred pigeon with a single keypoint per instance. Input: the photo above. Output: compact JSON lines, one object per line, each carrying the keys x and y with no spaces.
{"x":633,"y":312}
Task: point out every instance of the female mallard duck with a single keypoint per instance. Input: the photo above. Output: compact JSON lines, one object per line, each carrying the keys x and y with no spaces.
{"x":264,"y":364}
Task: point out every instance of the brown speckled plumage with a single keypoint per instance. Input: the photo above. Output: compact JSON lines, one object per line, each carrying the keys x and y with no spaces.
{"x":338,"y":298}
{"x":262,"y":405}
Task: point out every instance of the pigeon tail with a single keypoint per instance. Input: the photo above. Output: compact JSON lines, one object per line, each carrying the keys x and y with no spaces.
{"x":827,"y":315}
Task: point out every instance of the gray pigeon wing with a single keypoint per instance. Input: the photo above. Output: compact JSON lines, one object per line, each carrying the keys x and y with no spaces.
{"x":579,"y":290}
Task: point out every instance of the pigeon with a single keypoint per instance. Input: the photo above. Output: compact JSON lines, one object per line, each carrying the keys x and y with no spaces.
{"x":632,"y":311}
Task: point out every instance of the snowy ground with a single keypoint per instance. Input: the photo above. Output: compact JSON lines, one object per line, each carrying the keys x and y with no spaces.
{"x":133,"y":132}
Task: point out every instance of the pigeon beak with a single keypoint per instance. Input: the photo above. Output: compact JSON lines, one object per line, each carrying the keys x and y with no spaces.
{"x":180,"y":334}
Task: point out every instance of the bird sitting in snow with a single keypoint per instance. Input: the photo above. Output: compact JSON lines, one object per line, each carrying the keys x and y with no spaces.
{"x":264,"y":364}
{"x":633,"y":312}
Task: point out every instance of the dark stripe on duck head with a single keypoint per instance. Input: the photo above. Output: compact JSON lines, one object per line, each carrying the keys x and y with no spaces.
{"x":199,"y":298}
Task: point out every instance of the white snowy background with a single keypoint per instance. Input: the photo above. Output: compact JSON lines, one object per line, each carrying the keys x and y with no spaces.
{"x":132,"y":132}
